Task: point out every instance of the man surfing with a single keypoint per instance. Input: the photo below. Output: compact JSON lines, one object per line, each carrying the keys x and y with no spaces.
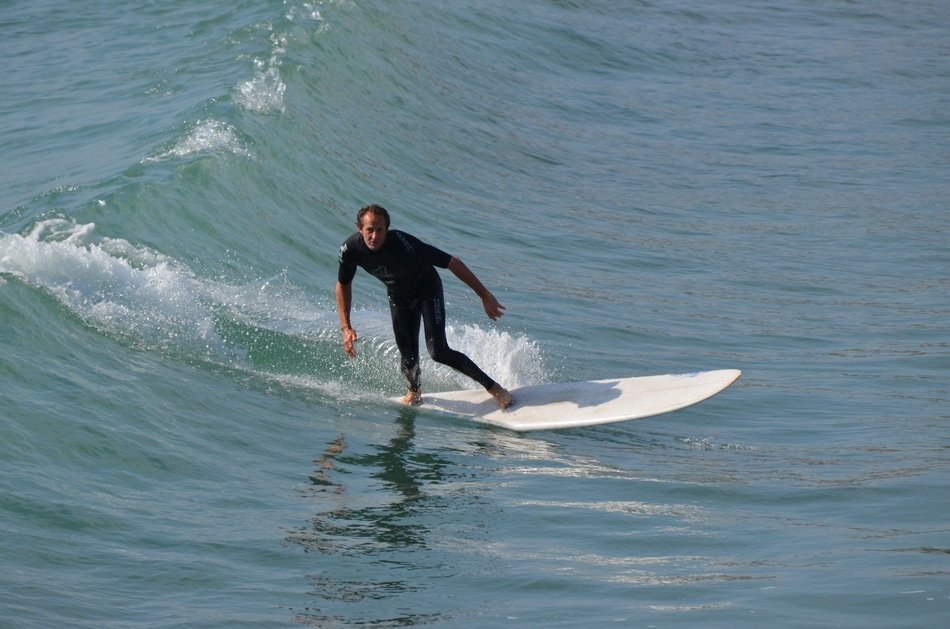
{"x":406,"y":265}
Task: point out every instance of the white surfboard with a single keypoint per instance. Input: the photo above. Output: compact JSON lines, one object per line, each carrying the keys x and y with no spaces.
{"x":574,"y":404}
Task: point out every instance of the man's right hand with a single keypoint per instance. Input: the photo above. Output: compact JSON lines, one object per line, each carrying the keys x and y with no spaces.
{"x":349,"y":342}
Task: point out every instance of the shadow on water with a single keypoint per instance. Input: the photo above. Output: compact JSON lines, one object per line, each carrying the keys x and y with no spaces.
{"x":374,"y":537}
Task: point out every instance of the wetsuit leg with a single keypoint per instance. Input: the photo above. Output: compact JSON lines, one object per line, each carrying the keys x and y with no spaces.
{"x":433,"y":314}
{"x":406,"y":321}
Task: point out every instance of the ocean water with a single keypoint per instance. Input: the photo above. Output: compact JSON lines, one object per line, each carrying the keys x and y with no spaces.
{"x":647,"y":186}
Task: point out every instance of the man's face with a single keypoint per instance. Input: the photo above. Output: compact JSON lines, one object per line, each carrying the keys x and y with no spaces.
{"x":373,"y":230}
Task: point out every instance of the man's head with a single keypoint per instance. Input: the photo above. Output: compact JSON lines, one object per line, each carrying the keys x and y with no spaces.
{"x":372,"y":222}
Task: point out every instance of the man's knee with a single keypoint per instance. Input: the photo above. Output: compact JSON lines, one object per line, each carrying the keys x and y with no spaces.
{"x":440,"y":353}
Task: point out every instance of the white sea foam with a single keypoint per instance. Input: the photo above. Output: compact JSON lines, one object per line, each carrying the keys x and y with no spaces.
{"x":264,"y":92}
{"x":113,"y":285}
{"x":206,"y":136}
{"x":133,"y":292}
{"x":512,"y":360}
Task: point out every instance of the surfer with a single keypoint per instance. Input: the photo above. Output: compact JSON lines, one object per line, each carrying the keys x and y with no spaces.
{"x":406,"y":265}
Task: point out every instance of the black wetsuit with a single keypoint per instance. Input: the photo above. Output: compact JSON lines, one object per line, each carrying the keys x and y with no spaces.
{"x":406,"y":265}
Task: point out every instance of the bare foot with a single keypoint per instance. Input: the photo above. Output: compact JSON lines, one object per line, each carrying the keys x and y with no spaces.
{"x":502,"y":396}
{"x":412,"y":398}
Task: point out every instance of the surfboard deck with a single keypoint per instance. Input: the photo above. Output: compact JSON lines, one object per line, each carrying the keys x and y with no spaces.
{"x":588,"y":403}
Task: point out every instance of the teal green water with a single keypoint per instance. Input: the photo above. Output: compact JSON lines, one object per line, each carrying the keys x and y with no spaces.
{"x":648,"y":188}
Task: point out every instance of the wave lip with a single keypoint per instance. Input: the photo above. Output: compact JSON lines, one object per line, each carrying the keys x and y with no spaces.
{"x":206,"y":136}
{"x":267,"y":327}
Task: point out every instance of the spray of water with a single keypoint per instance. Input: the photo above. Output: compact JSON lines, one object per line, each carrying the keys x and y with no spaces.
{"x":267,"y":327}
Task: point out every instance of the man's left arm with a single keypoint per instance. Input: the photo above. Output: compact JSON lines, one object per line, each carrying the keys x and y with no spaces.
{"x":492,"y":308}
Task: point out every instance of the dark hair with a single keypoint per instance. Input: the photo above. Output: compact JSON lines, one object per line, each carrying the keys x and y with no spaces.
{"x":378,"y":210}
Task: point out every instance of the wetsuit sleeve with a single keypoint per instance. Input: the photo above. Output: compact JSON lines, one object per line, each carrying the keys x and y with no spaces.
{"x":429,"y":254}
{"x":437,"y":257}
{"x":347,"y":269}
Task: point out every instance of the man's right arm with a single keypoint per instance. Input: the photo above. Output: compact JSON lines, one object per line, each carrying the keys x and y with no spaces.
{"x":344,"y":297}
